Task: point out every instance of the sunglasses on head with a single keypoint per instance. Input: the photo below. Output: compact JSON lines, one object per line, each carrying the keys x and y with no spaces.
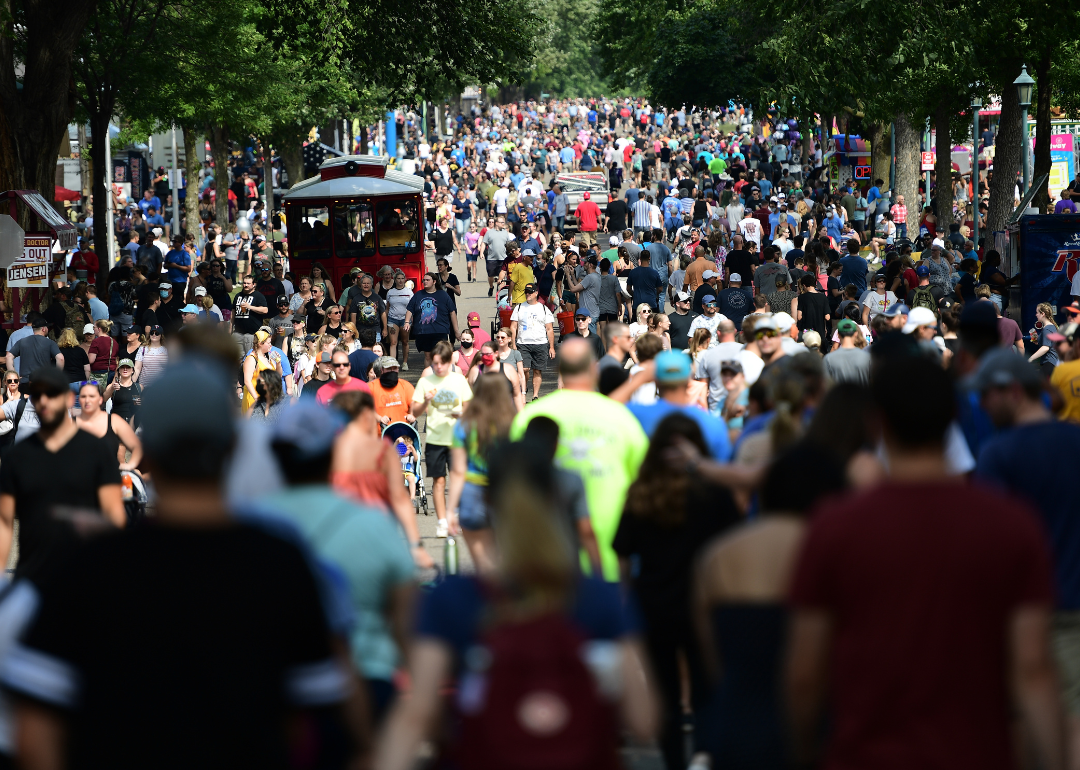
{"x":766,"y":333}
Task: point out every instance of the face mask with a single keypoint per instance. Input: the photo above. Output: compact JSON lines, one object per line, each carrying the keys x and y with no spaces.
{"x":466,"y":344}
{"x":488,"y":359}
{"x":388,"y":379}
{"x":164,"y":292}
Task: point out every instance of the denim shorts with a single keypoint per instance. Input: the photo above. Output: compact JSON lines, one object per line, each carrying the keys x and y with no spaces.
{"x":473,"y":508}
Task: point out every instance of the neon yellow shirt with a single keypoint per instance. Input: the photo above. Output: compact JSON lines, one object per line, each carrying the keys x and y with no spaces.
{"x":600,"y":440}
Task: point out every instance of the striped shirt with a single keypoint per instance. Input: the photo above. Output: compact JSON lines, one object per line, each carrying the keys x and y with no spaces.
{"x":640,"y":210}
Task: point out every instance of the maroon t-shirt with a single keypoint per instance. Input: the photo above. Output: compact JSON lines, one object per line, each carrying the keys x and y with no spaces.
{"x":1009,"y":331}
{"x":920,"y":581}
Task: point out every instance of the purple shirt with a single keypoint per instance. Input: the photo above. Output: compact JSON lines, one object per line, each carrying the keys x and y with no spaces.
{"x":1065,"y":205}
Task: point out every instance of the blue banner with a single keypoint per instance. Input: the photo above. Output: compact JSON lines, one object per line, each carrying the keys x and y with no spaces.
{"x":1049,"y":258}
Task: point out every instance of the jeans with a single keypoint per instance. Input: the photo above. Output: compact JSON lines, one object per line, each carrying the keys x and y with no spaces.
{"x":901,"y":230}
{"x":461,"y":226}
{"x":560,"y":224}
{"x":230,"y":269}
{"x":998,"y":301}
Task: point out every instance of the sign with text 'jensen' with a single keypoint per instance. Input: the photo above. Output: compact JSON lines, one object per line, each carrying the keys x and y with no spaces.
{"x":32,"y":271}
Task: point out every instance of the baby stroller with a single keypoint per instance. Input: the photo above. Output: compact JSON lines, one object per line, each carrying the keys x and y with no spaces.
{"x":503,"y":310}
{"x":405,"y":436}
{"x":133,"y":492}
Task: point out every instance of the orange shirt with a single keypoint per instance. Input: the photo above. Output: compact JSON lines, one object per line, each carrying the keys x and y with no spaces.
{"x":395,"y":403}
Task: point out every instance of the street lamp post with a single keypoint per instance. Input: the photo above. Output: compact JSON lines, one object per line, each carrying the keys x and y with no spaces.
{"x":976,"y":105}
{"x":1024,"y":85}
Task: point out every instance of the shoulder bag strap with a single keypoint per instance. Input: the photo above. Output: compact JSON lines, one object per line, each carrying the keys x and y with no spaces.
{"x":18,"y":417}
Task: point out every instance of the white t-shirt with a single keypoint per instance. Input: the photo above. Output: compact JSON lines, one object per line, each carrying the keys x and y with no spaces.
{"x":532,"y":320}
{"x":397,"y":300}
{"x":751,"y":230}
{"x":704,"y":322}
{"x":878,"y":303}
{"x":501,"y":197}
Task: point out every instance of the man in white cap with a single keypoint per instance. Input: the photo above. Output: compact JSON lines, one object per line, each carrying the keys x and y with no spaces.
{"x":785,"y":324}
{"x":160,"y":242}
{"x":711,"y":286}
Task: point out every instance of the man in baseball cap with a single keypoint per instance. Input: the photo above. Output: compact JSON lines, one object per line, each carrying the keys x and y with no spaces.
{"x":479,"y":335}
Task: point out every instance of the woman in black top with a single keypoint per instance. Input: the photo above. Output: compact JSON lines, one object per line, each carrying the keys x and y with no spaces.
{"x":131,"y":343}
{"x":444,"y":239}
{"x":218,"y":287}
{"x":126,"y":394}
{"x":76,"y":362}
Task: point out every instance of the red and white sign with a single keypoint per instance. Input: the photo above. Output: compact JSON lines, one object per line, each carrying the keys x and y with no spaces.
{"x":928,"y":161}
{"x":32,"y":270}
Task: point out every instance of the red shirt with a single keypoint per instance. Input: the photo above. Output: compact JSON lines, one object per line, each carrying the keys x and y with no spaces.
{"x":920,"y":581}
{"x":86,"y":260}
{"x":588,"y":216}
{"x":327,"y":392}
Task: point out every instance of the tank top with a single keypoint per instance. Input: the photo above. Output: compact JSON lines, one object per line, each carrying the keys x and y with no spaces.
{"x":334,"y":331}
{"x":110,"y":437}
{"x":127,"y":400}
{"x":369,"y":486}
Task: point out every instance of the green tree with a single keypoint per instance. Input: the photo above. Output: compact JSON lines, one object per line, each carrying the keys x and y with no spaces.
{"x":567,"y":62}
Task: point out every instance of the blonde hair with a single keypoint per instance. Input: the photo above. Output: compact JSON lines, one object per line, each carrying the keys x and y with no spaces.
{"x":323,"y":341}
{"x":104,"y":325}
{"x":1046,"y":309}
{"x":207,"y":302}
{"x":67,"y":339}
{"x":350,"y":326}
{"x":637,"y":311}
{"x":700,"y":342}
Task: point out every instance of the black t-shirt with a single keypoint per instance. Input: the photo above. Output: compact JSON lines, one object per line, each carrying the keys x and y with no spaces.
{"x":814,"y":307}
{"x":667,"y":553}
{"x":740,"y":261}
{"x":271,"y":289}
{"x":315,"y":320}
{"x":444,"y":241}
{"x":149,"y":318}
{"x":215,"y":287}
{"x":368,"y":310}
{"x":680,"y":329}
{"x":155,"y":664}
{"x":244,"y":321}
{"x":40,"y":480}
{"x":452,"y":280}
{"x":169,"y":313}
{"x":616,"y":213}
{"x":592,"y":339}
{"x":126,"y":401}
{"x":75,"y":359}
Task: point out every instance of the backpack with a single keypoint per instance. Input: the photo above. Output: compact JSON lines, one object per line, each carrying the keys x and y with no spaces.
{"x":531,"y":703}
{"x":122,"y":299}
{"x":923,"y":297}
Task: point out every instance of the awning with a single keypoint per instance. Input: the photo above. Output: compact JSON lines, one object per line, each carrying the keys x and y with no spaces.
{"x":65,"y":233}
{"x":64,"y":194}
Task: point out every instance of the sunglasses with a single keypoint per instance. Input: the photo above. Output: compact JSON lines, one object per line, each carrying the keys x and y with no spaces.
{"x":766,"y":333}
{"x":11,"y":382}
{"x":339,"y":366}
{"x":155,"y":334}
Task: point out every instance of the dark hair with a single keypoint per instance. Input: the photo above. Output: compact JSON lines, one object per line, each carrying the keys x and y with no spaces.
{"x":542,"y":432}
{"x":893,"y":381}
{"x":808,"y":281}
{"x":844,"y":421}
{"x":800,"y":477}
{"x":366,"y":336}
{"x":659,"y":493}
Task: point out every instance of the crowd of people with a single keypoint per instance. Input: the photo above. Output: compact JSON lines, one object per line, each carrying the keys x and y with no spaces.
{"x":810,"y":516}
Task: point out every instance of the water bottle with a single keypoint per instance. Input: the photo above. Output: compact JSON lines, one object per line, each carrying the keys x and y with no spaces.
{"x":451,"y":557}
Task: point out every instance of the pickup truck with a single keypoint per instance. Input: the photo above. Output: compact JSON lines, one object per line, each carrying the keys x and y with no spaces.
{"x":576,"y":184}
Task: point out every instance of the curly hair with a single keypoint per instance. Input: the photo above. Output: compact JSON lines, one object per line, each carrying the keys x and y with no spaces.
{"x":659,"y":493}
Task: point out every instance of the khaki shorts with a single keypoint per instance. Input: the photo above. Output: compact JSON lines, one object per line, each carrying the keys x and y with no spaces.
{"x":1066,"y":639}
{"x":588,"y":237}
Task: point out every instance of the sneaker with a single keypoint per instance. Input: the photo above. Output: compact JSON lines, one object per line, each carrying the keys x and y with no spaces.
{"x":442,"y":529}
{"x":405,"y":366}
{"x":535,"y":398}
{"x":491,"y":290}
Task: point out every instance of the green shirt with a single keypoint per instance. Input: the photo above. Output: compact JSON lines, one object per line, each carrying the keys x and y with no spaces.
{"x":717,"y":166}
{"x":601,"y":441}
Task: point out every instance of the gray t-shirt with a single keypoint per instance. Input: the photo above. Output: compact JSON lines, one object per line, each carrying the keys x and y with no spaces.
{"x":848,"y":365}
{"x":590,"y":295}
{"x":609,"y":294}
{"x":496,"y":241}
{"x":29,"y":424}
{"x":765,"y":277}
{"x":35,"y":351}
{"x":708,"y":367}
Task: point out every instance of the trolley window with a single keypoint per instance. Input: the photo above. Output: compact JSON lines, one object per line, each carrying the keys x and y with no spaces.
{"x":399,"y":227}
{"x":313,"y":239}
{"x":354,"y":230}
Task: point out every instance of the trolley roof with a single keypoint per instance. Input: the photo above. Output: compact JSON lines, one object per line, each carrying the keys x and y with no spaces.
{"x":355,"y":175}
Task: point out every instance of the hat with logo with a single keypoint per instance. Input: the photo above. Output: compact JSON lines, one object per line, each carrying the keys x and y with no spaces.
{"x":200,"y":291}
{"x":474,"y":319}
{"x":922,"y":271}
{"x":125,"y":362}
{"x":530,"y":288}
{"x":672,"y":366}
{"x":682,"y":296}
{"x":586,"y":196}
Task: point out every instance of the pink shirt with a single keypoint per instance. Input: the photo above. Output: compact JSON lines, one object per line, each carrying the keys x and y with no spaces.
{"x":329,"y":390}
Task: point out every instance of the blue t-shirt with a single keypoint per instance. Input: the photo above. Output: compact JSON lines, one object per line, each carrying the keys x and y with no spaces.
{"x":361,"y":362}
{"x":644,"y":283}
{"x":1034,"y":462}
{"x":766,"y":187}
{"x":155,"y":219}
{"x":154,"y":202}
{"x":430,"y":312}
{"x":659,"y":259}
{"x":454,"y":613}
{"x":179,"y":257}
{"x":713,"y":429}
{"x":854,"y":271}
{"x":735,"y":303}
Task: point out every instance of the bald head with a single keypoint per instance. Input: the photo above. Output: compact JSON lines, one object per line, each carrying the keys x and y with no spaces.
{"x":725,"y":330}
{"x":577,"y":365}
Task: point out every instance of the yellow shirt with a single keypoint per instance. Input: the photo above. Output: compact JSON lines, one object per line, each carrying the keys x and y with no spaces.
{"x":1066,"y":378}
{"x":520,"y":274}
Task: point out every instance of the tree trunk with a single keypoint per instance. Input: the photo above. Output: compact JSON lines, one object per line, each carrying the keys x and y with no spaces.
{"x":191,"y":171}
{"x":1044,"y":88}
{"x":908,"y":143}
{"x":99,"y":136}
{"x":363,"y":140}
{"x":85,"y":188}
{"x":881,"y":160}
{"x":1006,"y":163}
{"x":943,"y":195}
{"x":219,"y":148}
{"x":292,"y":156}
{"x":33,"y":117}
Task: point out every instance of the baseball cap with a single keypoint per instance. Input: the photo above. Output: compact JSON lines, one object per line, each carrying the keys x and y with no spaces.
{"x":355,"y":271}
{"x":41,"y":323}
{"x":388,"y":362}
{"x":710,"y":274}
{"x":922,"y":271}
{"x":586,"y":196}
{"x":310,"y":337}
{"x":979,"y":314}
{"x":326,"y":358}
{"x":307,"y":428}
{"x":283,"y":301}
{"x":613,"y":240}
{"x":895,"y":309}
{"x":156,"y":329}
{"x":528,"y":253}
{"x":583,"y":312}
{"x":164,"y":285}
{"x":474,"y":317}
{"x":846,"y":327}
{"x":200,"y":291}
{"x":766,"y":321}
{"x":1067,"y":333}
{"x":530,"y":288}
{"x":919,"y":316}
{"x":46,"y":380}
{"x":189,"y":308}
{"x":682,"y":296}
{"x":672,"y":366}
{"x":88,"y":329}
{"x":731,"y":366}
{"x":258,"y":239}
{"x":1002,"y":367}
{"x":708,"y":299}
{"x":125,"y":362}
{"x":784,"y":321}
{"x":748,"y":210}
{"x":209,"y":419}
{"x":735,"y":277}
{"x":157,"y":231}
